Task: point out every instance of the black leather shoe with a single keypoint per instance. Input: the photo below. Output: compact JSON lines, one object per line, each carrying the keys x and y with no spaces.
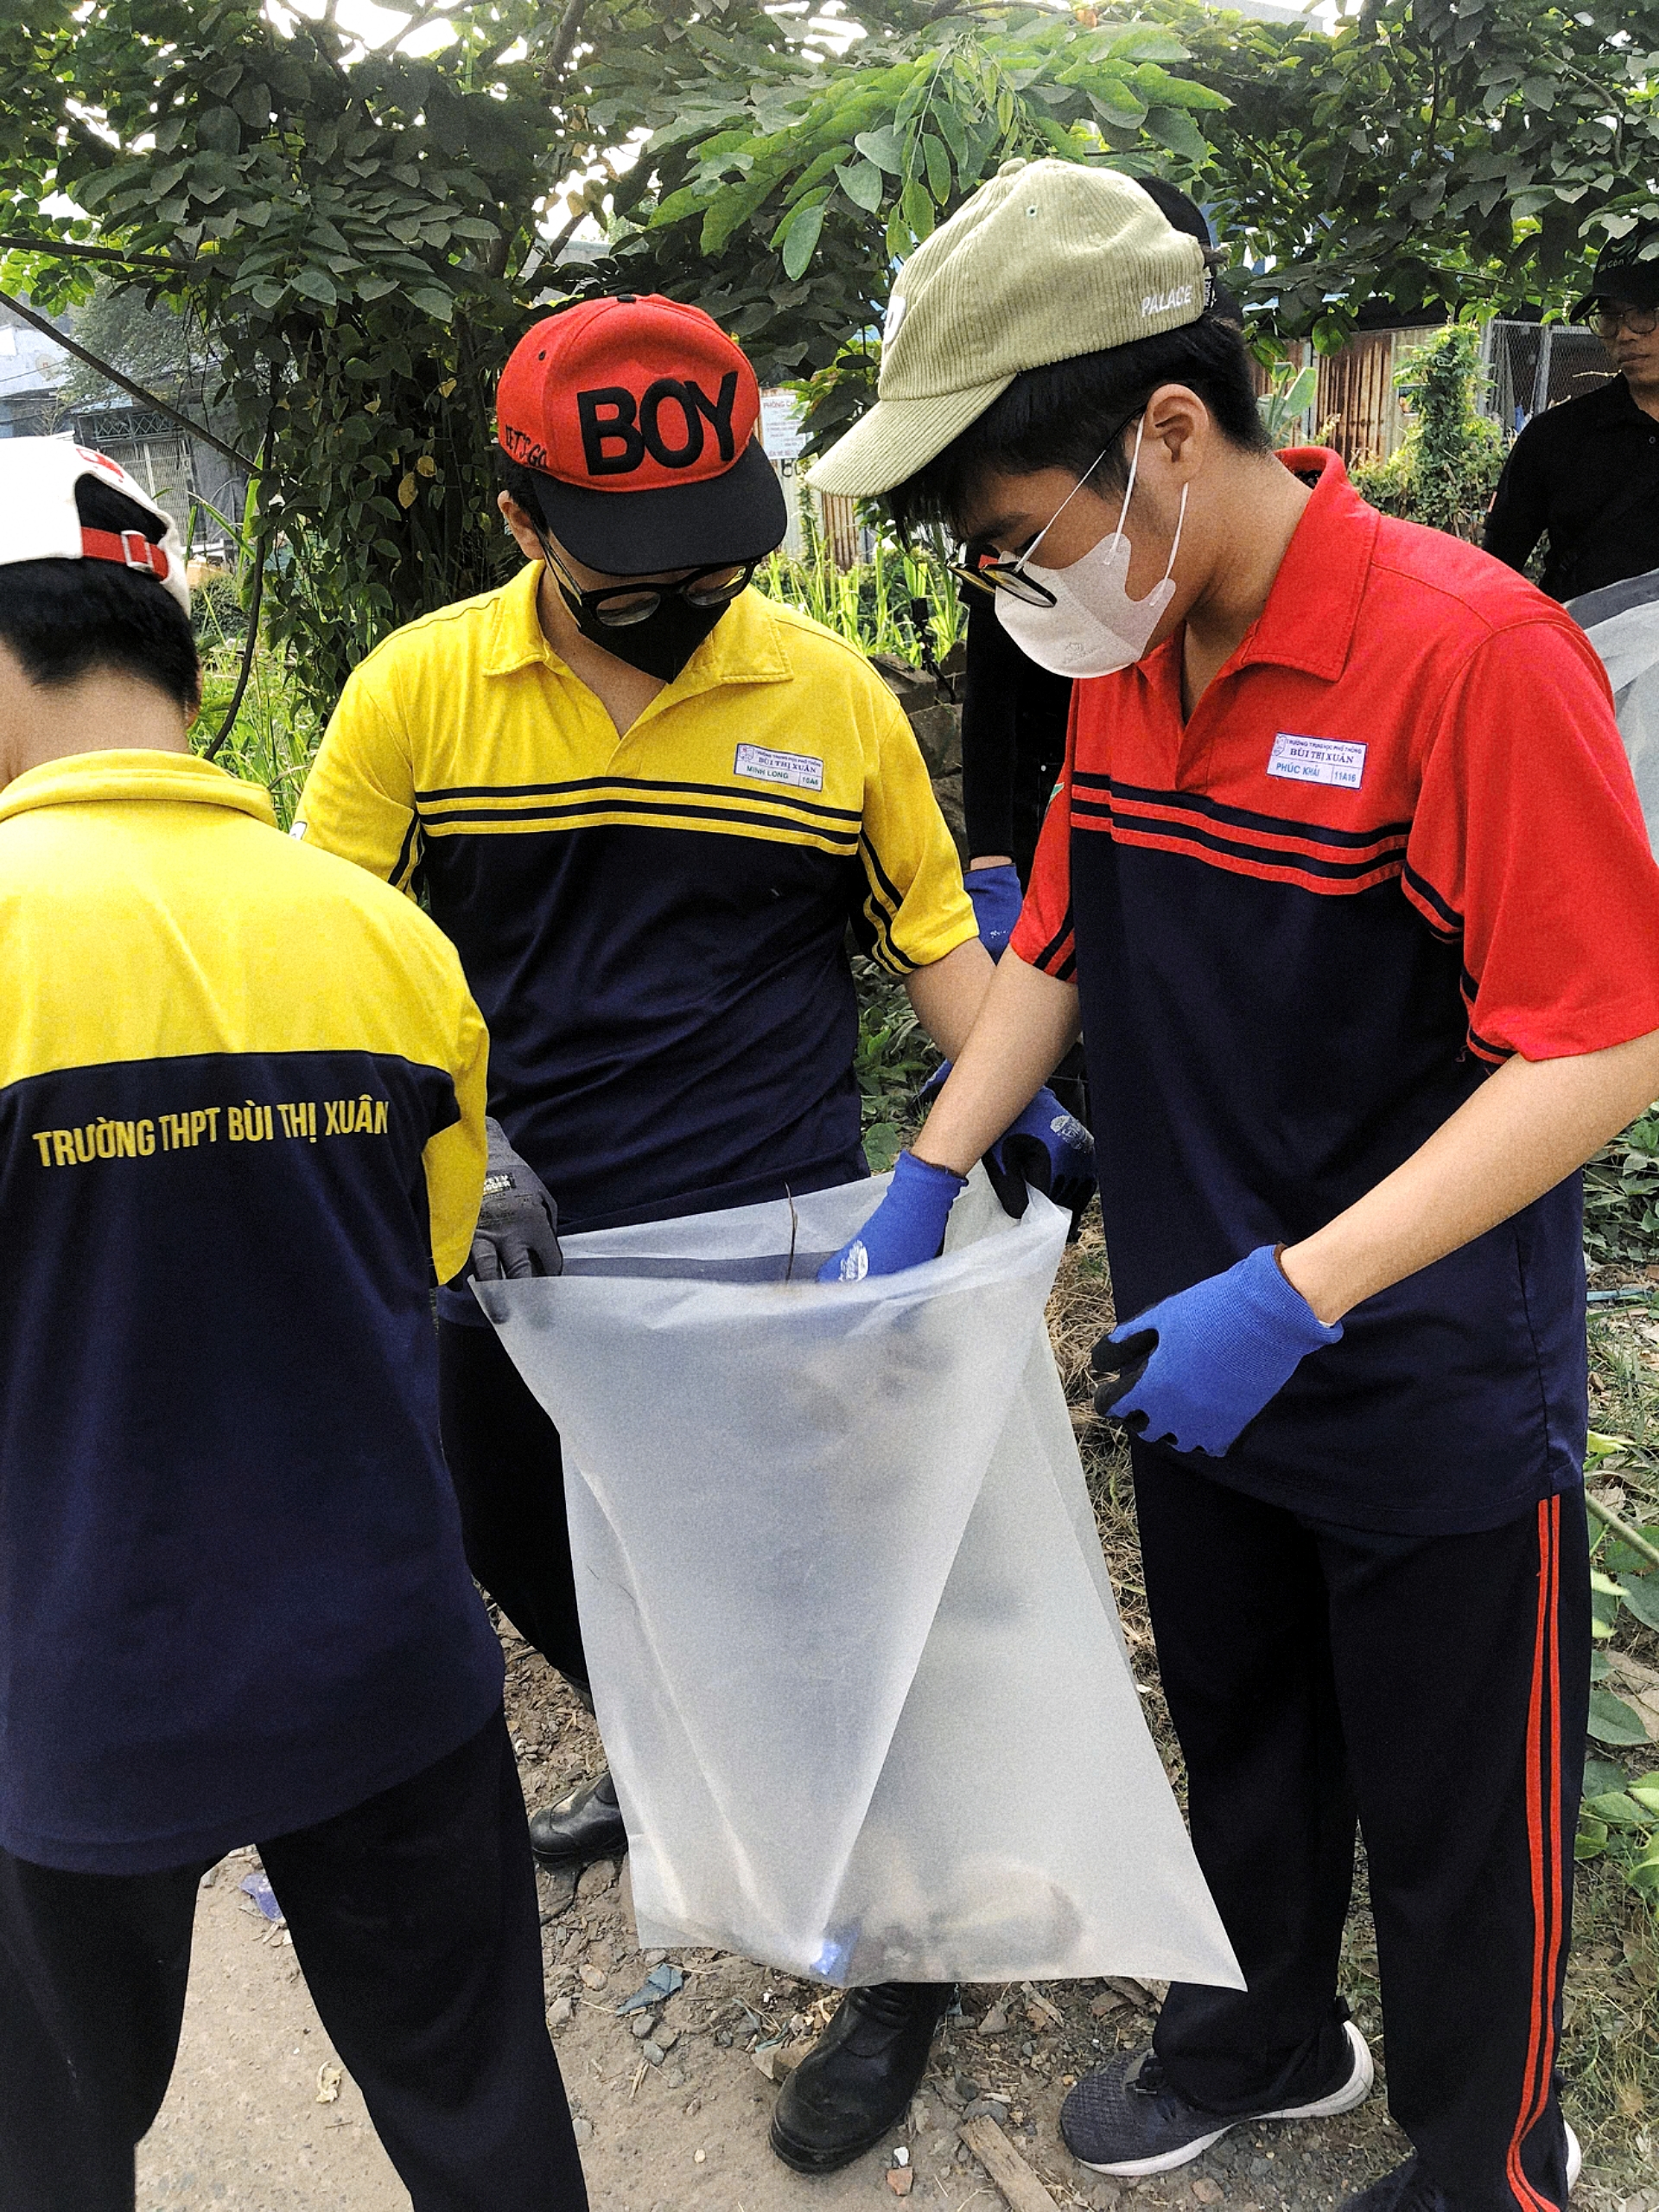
{"x":857,"y":2082}
{"x":585,"y":1825}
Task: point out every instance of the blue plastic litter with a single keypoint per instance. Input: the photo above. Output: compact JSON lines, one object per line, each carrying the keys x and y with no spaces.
{"x":257,"y":1886}
{"x":660,"y":1983}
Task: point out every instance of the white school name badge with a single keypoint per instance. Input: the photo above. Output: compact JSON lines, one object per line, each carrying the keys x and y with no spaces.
{"x":797,"y":768}
{"x":1318,"y":760}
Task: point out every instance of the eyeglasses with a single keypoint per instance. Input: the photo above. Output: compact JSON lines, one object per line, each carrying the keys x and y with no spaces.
{"x":619,"y":607}
{"x":1009,"y":575}
{"x":1641,"y":322}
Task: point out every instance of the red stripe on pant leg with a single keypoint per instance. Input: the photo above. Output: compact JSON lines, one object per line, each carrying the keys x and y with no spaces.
{"x":1543,"y":1785}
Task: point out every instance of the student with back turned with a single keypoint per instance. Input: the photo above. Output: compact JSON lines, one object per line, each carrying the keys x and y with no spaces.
{"x":241,"y":1126}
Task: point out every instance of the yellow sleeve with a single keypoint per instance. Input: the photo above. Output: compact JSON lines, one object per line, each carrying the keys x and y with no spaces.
{"x":914,"y":906}
{"x":359,"y":799}
{"x":454,"y":1159}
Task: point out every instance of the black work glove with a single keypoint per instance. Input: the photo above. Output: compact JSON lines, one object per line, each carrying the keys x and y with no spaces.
{"x":517,"y":1232}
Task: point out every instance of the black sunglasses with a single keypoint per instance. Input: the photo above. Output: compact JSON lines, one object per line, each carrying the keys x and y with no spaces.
{"x":1009,"y":575}
{"x":619,"y":607}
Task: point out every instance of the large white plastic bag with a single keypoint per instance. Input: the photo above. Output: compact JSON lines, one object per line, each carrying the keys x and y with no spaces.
{"x":853,"y":1646}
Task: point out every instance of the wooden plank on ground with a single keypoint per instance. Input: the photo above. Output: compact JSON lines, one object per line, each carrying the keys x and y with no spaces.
{"x":1018,"y":2185}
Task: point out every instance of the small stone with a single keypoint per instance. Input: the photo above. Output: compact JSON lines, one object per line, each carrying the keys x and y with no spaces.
{"x":901,"y":2157}
{"x":966,"y":2088}
{"x":559,"y":2011}
{"x":675,"y":2077}
{"x":993,"y":2022}
{"x":900,"y":2180}
{"x":1205,"y":2191}
{"x":595,"y":1977}
{"x":668,"y":2037}
{"x":986,"y":2108}
{"x":583,"y":2130}
{"x":1108,"y":2000}
{"x":1259,"y":2167}
{"x":698,"y":2156}
{"x":653,"y":2053}
{"x":655,"y":1958}
{"x":942,"y":2147}
{"x":597,"y":1878}
{"x":643,"y":2025}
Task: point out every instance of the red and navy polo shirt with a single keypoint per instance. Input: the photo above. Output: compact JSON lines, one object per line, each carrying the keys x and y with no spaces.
{"x":1396,"y":841}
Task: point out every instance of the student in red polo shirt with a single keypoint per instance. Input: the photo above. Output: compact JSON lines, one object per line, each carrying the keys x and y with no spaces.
{"x":1346,"y":885}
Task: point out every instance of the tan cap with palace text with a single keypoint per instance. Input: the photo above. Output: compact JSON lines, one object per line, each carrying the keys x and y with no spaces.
{"x":1048,"y":260}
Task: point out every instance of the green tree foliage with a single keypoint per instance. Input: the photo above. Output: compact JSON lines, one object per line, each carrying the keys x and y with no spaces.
{"x":1438,"y":154}
{"x":1448,"y":464}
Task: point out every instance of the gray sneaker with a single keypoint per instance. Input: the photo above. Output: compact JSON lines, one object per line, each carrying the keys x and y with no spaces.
{"x":1127,"y":2118}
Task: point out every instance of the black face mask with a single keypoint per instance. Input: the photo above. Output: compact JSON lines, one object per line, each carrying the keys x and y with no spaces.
{"x":664,"y":641}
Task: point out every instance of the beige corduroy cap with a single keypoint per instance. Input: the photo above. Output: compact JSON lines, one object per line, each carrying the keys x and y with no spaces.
{"x":1049,"y":259}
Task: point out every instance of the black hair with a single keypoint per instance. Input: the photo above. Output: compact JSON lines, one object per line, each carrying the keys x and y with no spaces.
{"x":1064,"y":415}
{"x":64,"y":619}
{"x":520,"y":482}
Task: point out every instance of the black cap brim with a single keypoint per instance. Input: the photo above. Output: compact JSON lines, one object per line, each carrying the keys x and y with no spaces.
{"x":739,"y":516}
{"x":1637,"y":286}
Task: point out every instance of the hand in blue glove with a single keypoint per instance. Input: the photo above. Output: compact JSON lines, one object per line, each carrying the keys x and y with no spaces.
{"x":906,"y":1228}
{"x":1196,"y":1368}
{"x":997,"y":899}
{"x":1047,"y":1148}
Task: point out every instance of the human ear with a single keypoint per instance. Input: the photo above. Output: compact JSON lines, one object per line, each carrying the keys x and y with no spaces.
{"x":1178,"y":420}
{"x":524,"y":530}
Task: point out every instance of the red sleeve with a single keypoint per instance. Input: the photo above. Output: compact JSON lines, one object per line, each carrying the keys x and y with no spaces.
{"x":1043,"y":936}
{"x":1529,"y":845}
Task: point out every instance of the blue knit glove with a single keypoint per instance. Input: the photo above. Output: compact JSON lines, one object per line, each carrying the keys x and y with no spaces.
{"x":997,"y":899}
{"x":906,"y":1228}
{"x":1047,"y":1148}
{"x":1196,"y":1368}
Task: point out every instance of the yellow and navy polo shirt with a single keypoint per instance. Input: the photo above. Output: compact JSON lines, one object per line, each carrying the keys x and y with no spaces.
{"x":241,"y":1127}
{"x":653,"y":924}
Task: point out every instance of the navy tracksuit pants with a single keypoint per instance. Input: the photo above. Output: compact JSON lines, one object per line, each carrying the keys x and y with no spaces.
{"x":1434,"y":1692}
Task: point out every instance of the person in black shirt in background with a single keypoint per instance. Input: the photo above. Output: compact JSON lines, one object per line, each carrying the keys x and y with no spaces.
{"x":1587,"y":472}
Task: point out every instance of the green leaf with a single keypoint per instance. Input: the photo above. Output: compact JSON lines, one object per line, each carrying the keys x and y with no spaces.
{"x":1641,"y":1596}
{"x":1591,"y":1840}
{"x":1619,"y":1810}
{"x":861,"y":181}
{"x":1646,"y":1792}
{"x":432,"y":301}
{"x":1605,"y":1584}
{"x":1612,"y":1721}
{"x":883,"y":148}
{"x":1174,"y":128}
{"x":1602,"y":1774}
{"x":313,"y":283}
{"x":1147,"y":42}
{"x":217,"y":129}
{"x":939,"y":167}
{"x":917,"y":208}
{"x":801,"y":242}
{"x":1114,"y":99}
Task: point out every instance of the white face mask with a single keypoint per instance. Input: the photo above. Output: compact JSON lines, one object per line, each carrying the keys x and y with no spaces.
{"x":1094,"y":627}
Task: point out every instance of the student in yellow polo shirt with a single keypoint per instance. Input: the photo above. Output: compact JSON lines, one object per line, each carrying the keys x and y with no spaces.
{"x":647,"y":804}
{"x":241,"y":1128}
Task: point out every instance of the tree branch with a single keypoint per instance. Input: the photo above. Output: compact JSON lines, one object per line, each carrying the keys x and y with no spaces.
{"x":71,"y":249}
{"x":125,"y":383}
{"x":565,"y":37}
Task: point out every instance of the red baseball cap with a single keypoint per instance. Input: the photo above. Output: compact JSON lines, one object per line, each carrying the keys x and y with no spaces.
{"x":637,"y":415}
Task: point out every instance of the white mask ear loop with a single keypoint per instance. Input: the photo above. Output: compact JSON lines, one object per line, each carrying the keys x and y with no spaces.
{"x":1180,"y":521}
{"x":1128,"y":489}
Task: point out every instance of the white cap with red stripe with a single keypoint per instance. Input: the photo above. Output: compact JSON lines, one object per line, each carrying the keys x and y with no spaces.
{"x":39,"y":519}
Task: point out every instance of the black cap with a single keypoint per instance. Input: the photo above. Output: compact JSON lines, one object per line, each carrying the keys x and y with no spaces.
{"x":1622,"y":278}
{"x":1183,"y":213}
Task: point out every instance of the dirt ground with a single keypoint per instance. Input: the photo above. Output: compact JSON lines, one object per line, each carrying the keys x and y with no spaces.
{"x":682,"y":2127}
